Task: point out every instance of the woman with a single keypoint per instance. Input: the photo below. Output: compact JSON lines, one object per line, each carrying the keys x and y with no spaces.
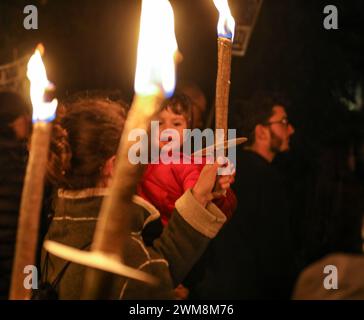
{"x":82,"y":156}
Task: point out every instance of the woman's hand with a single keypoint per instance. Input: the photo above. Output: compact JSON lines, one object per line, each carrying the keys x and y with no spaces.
{"x":226,"y":177}
{"x":208,"y":186}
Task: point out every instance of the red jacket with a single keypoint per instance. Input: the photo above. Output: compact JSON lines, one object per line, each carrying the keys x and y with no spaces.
{"x":162,"y":184}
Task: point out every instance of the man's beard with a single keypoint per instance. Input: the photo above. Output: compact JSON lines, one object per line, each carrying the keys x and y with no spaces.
{"x":276,"y":143}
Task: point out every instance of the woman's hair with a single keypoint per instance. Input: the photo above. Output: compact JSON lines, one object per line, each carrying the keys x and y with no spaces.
{"x":180,"y":104}
{"x":86,"y":133}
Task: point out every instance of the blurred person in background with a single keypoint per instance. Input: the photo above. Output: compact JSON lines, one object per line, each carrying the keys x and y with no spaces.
{"x":253,"y":256}
{"x":15,"y":127}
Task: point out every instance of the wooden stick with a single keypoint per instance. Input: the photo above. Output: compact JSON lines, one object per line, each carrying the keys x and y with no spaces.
{"x":30,"y":208}
{"x":223,"y":84}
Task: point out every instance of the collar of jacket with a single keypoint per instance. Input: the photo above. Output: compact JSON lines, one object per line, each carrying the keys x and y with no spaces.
{"x":77,"y":201}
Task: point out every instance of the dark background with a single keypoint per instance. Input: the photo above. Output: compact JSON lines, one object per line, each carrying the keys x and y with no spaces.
{"x":92,"y":45}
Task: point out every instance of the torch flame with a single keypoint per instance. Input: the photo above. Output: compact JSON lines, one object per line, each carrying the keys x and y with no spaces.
{"x":42,"y":111}
{"x":226,"y":24}
{"x":157,"y":48}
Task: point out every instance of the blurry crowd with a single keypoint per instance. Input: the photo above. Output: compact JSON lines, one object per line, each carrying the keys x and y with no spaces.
{"x":264,"y":231}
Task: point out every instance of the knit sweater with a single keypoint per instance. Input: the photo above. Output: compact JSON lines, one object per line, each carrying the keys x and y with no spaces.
{"x":169,"y":258}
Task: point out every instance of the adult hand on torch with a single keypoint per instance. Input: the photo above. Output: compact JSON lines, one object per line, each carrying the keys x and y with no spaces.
{"x":226,"y":177}
{"x":31,"y":201}
{"x":209,"y":185}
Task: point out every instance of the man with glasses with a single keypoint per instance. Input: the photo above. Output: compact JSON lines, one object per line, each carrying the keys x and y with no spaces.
{"x":252,"y":257}
{"x":267,"y":127}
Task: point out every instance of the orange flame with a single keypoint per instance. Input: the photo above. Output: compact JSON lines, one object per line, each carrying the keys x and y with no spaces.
{"x":36,"y":73}
{"x":226,"y":24}
{"x":157,"y":48}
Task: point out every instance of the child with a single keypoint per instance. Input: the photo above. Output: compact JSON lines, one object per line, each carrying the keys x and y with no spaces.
{"x":162,"y":184}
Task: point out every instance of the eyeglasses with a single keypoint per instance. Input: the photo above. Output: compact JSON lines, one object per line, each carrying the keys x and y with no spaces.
{"x":285,"y":122}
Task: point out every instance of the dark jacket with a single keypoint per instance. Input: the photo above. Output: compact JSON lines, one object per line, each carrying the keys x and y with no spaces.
{"x":252,"y":257}
{"x":12,"y":169}
{"x":168,"y":258}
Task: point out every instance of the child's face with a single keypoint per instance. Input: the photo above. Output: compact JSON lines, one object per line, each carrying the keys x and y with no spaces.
{"x":170,"y":120}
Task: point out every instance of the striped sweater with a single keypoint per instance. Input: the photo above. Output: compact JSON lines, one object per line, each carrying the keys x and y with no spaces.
{"x":168,"y":258}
